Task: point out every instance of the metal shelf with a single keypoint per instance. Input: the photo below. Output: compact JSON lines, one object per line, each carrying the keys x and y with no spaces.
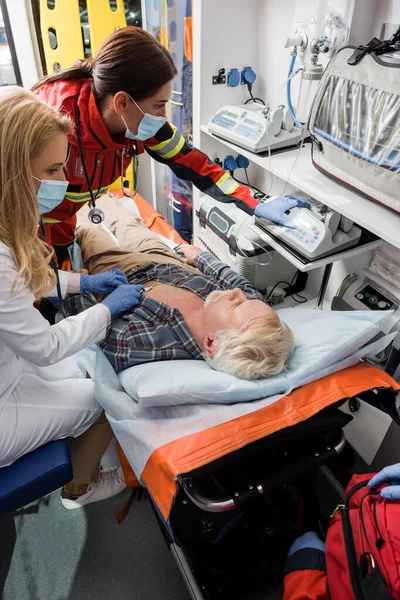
{"x":304,"y":176}
{"x":321,"y":262}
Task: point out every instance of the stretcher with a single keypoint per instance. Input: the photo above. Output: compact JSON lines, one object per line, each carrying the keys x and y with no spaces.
{"x":232,"y":486}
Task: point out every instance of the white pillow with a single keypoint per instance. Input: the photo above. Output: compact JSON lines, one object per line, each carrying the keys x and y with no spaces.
{"x":323,"y":339}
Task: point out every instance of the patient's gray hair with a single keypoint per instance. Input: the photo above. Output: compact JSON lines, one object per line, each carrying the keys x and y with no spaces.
{"x":262,"y":350}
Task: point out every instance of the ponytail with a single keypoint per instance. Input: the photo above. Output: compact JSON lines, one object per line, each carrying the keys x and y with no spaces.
{"x":82,"y":69}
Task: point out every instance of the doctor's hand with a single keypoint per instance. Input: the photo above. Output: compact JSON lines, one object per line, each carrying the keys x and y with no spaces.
{"x":389,"y":475}
{"x":189,"y":252}
{"x":275,"y":210}
{"x":123,"y":298}
{"x":103,"y":282}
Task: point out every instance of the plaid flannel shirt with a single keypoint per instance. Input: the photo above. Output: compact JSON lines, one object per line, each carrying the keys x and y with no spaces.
{"x":153,"y":331}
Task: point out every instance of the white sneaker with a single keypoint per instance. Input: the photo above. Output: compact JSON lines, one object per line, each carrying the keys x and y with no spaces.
{"x":107,"y":484}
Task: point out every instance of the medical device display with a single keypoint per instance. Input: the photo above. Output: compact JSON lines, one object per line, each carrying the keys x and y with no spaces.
{"x":317,"y":233}
{"x":256,"y":127}
{"x":221,"y":229}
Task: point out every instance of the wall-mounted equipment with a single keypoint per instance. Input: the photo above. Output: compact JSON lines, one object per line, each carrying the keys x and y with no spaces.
{"x":255,"y":127}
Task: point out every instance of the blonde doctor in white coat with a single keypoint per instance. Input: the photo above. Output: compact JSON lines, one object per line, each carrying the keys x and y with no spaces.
{"x":43,"y":395}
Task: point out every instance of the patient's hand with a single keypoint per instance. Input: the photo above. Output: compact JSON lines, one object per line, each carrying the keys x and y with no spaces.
{"x":189,"y":252}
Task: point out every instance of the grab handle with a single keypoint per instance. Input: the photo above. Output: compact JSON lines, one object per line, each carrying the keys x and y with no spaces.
{"x":253,"y":491}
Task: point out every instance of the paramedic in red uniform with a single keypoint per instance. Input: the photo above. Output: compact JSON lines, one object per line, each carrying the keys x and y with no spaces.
{"x":305,"y":572}
{"x":118,"y":105}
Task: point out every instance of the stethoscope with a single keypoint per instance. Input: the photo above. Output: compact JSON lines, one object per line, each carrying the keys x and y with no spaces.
{"x":54,"y":266}
{"x":96,"y":215}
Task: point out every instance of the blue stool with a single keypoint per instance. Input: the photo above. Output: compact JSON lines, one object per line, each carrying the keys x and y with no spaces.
{"x":34,"y":475}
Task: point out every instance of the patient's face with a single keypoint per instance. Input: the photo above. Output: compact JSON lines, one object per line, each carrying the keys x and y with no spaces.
{"x":232,"y":310}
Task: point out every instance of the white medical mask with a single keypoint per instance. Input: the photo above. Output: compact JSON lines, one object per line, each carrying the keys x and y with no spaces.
{"x":148,"y":126}
{"x":50,"y":194}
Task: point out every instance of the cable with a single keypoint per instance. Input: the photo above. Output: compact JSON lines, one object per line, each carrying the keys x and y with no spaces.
{"x":302,"y":301}
{"x":78,"y":135}
{"x":256,"y":100}
{"x":303,"y":298}
{"x":294,"y":277}
{"x":259,"y":195}
{"x":248,"y":184}
{"x":276,"y":285}
{"x":303,"y":133}
{"x":58,"y":285}
{"x":291,"y":76}
{"x":252,"y":98}
{"x":54,"y":266}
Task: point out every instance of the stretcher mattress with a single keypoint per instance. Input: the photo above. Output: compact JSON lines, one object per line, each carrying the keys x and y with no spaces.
{"x":160,"y":443}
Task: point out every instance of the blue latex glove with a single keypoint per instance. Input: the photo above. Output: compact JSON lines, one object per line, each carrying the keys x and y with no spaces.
{"x":123,"y":298}
{"x":103,"y":282}
{"x":275,"y":210}
{"x":388,"y":475}
{"x":307,"y":540}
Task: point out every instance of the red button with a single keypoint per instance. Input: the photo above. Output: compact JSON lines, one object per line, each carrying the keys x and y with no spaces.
{"x":317,"y":233}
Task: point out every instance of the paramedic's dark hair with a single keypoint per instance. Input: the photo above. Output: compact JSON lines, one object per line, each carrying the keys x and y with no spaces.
{"x":129,"y":60}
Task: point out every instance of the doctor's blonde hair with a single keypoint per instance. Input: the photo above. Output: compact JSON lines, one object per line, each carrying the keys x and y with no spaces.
{"x":262,"y":350}
{"x":26,"y":127}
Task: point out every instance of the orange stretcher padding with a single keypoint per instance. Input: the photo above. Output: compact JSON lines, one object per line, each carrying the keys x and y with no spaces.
{"x":153,"y":220}
{"x":198,"y":449}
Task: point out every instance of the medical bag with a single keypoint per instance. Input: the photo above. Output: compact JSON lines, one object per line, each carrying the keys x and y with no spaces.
{"x":355,"y":121}
{"x":363,"y":545}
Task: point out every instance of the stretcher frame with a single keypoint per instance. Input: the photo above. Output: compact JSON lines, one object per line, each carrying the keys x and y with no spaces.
{"x":326,"y":449}
{"x":190,"y":494}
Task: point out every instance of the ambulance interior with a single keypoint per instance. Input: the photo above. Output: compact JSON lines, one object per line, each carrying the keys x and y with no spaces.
{"x":343,"y":255}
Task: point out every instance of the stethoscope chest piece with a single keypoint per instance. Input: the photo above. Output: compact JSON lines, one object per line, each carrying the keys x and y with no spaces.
{"x":96,"y":216}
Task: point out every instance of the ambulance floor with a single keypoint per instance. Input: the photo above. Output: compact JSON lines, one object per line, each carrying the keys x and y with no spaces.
{"x":49,"y":553}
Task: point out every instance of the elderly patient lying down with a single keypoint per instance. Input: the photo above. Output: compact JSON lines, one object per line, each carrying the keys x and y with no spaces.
{"x":197,"y":308}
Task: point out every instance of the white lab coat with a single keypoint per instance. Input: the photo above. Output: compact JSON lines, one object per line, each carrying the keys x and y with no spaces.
{"x":42,"y":393}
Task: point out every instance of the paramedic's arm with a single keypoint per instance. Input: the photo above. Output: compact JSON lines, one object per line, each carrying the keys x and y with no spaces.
{"x":30,"y":336}
{"x":223,"y":276}
{"x":306,"y":584}
{"x":170,"y":147}
{"x":305,"y":570}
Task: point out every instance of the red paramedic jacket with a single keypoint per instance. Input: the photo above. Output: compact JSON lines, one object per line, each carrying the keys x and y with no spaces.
{"x":307,"y":584}
{"x":103,"y":156}
{"x":305,"y":576}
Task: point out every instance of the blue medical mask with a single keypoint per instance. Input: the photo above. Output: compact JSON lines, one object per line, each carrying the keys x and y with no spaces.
{"x":148,"y":126}
{"x":50,"y":194}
